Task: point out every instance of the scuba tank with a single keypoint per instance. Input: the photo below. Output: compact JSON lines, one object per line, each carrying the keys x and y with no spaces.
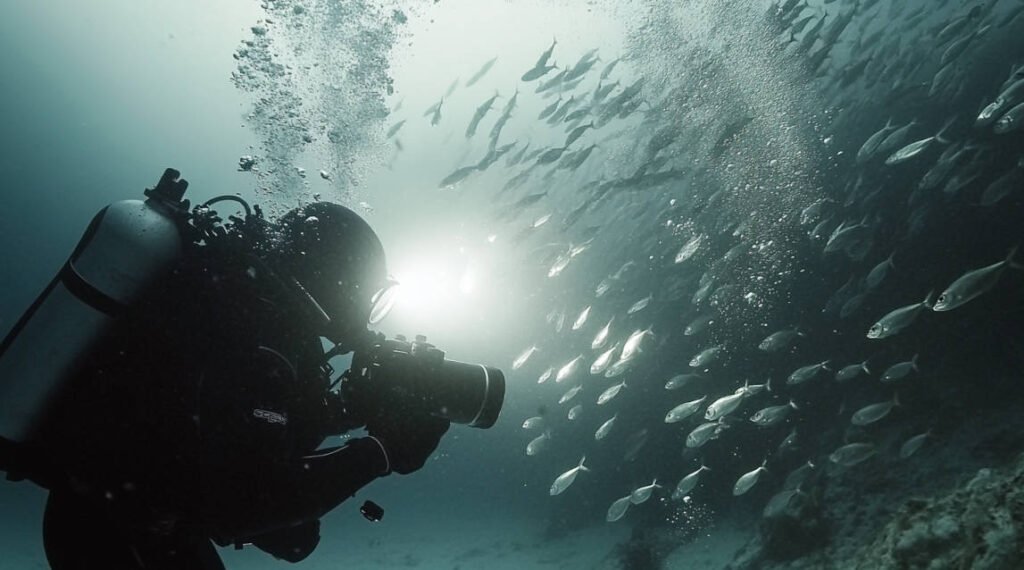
{"x":127,"y":246}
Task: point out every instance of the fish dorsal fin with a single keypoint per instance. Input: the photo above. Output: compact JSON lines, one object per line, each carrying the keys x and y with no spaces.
{"x":929,"y":300}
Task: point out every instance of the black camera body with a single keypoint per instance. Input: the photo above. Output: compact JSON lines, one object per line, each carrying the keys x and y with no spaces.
{"x":396,"y":376}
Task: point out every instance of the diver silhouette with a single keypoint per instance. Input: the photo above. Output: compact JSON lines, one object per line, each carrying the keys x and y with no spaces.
{"x":191,"y":408}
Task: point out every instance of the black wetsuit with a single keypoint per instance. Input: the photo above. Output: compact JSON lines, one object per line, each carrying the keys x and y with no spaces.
{"x":199,"y":420}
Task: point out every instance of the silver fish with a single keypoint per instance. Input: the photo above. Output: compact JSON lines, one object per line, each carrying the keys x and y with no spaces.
{"x":911,"y":446}
{"x":602,"y":362}
{"x":705,"y":357}
{"x":610,"y":393}
{"x":680,"y":380}
{"x":805,"y":373}
{"x":689,"y":249}
{"x":799,"y":475}
{"x":703,"y":433}
{"x":899,"y":319}
{"x":634,"y":344}
{"x":618,"y":509}
{"x":565,"y":479}
{"x":699,"y":324}
{"x":522,"y":358}
{"x":872,"y":413}
{"x":582,"y":319}
{"x":748,"y":480}
{"x":779,"y":340}
{"x":973,"y":284}
{"x":568,"y":369}
{"x":570,"y":394}
{"x":602,"y":336}
{"x":546,"y":375}
{"x":640,"y":305}
{"x":896,"y":138}
{"x":917,"y":147}
{"x":879,"y":272}
{"x":773,"y":414}
{"x":575,"y":412}
{"x":779,"y":502}
{"x":852,"y":371}
{"x":1011,"y":121}
{"x":606,"y":428}
{"x":723,"y":406}
{"x":852,"y":454}
{"x":538,"y":444}
{"x":900,"y":370}
{"x":687,"y":483}
{"x":534,"y":422}
{"x":640,"y":495}
{"x":684,"y":410}
{"x":621,"y":365}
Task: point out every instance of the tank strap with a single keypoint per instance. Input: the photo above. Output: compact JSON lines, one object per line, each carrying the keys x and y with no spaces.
{"x":88,"y":294}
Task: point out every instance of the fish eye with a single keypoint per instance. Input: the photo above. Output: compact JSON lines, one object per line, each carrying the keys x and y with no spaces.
{"x":942,"y":298}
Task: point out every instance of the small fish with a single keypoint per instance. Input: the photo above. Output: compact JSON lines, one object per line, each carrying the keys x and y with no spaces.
{"x":575,"y":411}
{"x":748,"y":480}
{"x":641,"y":494}
{"x":538,"y":444}
{"x":602,"y":362}
{"x":699,"y":324}
{"x":917,"y":147}
{"x":640,"y":305}
{"x":879,"y":272}
{"x":570,"y":394}
{"x":523,"y":357}
{"x":533,"y":423}
{"x":581,"y":320}
{"x":799,"y":475}
{"x":805,"y":373}
{"x":478,"y":116}
{"x":852,"y":371}
{"x":792,"y":441}
{"x":900,"y":370}
{"x":899,"y":319}
{"x":687,"y":483}
{"x":550,"y":155}
{"x":577,"y":133}
{"x":606,"y":428}
{"x":565,"y":479}
{"x":723,"y":406}
{"x":689,"y":248}
{"x":703,"y":433}
{"x":618,"y":509}
{"x":973,"y":284}
{"x":620,"y":366}
{"x":773,"y":414}
{"x":911,"y":446}
{"x":852,"y":454}
{"x":680,"y":380}
{"x":602,"y":335}
{"x":870,"y":146}
{"x":779,"y":340}
{"x":568,"y":369}
{"x":685,"y":410}
{"x":872,"y":413}
{"x":546,"y":375}
{"x":610,"y":393}
{"x":779,"y":503}
{"x":395,"y":128}
{"x":546,"y":112}
{"x":481,"y":72}
{"x":634,"y":344}
{"x":705,"y":357}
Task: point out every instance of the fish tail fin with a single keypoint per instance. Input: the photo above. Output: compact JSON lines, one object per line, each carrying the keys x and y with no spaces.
{"x":913,"y":363}
{"x":581,"y":466}
{"x":864,"y":367}
{"x":793,"y":405}
{"x":1010,"y":256}
{"x":929,"y":301}
{"x":940,"y":136}
{"x":896,"y":399}
{"x":825,"y":366}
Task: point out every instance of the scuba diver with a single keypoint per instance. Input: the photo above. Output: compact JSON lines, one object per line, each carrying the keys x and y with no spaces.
{"x":171,"y":389}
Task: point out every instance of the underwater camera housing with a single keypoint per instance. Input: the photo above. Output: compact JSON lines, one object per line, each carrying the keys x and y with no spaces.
{"x":415,"y":377}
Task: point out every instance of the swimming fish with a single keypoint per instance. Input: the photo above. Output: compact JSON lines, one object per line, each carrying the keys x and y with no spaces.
{"x":689,"y":248}
{"x":641,"y":494}
{"x":872,"y":413}
{"x":570,"y":394}
{"x":879,"y":272}
{"x":779,"y":340}
{"x":911,"y":446}
{"x":565,"y":479}
{"x":900,"y":370}
{"x":723,"y":406}
{"x":523,"y":357}
{"x":703,"y":433}
{"x":538,"y":444}
{"x":602,"y":362}
{"x":546,"y":375}
{"x":852,"y":371}
{"x":606,"y":428}
{"x":582,"y":319}
{"x":799,"y":475}
{"x":534,"y":422}
{"x":634,"y":344}
{"x":620,"y":366}
{"x":618,"y":509}
{"x":705,"y":357}
{"x":698,"y":324}
{"x":684,"y":410}
{"x":481,"y":72}
{"x":575,"y":411}
{"x":602,"y":335}
{"x":748,"y":480}
{"x":568,"y":369}
{"x":680,"y":380}
{"x":973,"y":284}
{"x":805,"y":373}
{"x":610,"y":393}
{"x":899,"y":319}
{"x":773,"y":414}
{"x":687,"y":483}
{"x":852,"y":454}
{"x":640,"y":305}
